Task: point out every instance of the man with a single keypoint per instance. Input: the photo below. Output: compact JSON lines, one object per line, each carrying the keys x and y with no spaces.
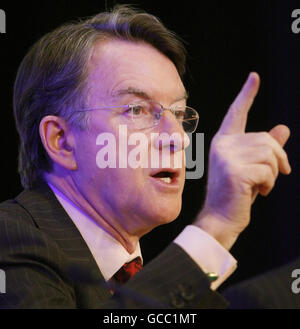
{"x":66,"y":236}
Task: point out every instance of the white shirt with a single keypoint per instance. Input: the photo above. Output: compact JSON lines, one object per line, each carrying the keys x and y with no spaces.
{"x":207,"y":253}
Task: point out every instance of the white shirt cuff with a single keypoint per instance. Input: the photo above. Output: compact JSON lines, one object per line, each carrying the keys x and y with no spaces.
{"x":207,"y":253}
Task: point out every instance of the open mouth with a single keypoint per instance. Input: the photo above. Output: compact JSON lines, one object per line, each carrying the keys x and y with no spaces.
{"x":167,"y":176}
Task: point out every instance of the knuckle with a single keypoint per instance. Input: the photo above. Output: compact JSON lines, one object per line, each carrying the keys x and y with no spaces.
{"x":270,"y":159}
{"x":265,"y":136}
{"x":268,"y":151}
{"x":267,"y":172}
{"x":271,"y":180}
{"x":283,"y":154}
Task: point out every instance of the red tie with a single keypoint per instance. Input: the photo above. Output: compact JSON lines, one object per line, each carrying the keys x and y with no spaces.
{"x":128,"y":270}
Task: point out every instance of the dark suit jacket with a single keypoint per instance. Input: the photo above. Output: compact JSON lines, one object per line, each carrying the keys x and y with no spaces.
{"x":48,"y":265}
{"x":272,"y":290}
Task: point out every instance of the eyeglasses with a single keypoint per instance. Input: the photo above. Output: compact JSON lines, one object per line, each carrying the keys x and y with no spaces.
{"x":147,"y":113}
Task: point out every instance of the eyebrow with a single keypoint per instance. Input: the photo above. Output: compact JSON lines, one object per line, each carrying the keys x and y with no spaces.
{"x":143,"y":94}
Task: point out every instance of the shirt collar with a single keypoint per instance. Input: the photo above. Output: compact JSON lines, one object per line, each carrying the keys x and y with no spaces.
{"x":108,"y":253}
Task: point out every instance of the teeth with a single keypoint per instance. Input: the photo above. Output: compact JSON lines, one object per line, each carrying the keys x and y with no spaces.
{"x":166,"y":179}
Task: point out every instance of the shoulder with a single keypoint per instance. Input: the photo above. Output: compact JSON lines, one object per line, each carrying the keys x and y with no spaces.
{"x":32,"y":262}
{"x":23,"y":240}
{"x":12,"y":210}
{"x":16,"y":225}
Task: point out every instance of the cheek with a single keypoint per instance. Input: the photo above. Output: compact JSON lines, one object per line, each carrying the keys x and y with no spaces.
{"x":121,"y":189}
{"x":102,"y":166}
{"x":85,"y":156}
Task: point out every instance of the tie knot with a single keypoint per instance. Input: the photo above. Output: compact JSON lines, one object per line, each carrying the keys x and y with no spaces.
{"x":128,"y":270}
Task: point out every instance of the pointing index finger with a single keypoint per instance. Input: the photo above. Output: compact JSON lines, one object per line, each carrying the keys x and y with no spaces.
{"x":235,"y":119}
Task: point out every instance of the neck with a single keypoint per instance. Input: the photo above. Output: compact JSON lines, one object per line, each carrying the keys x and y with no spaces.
{"x":68,"y":187}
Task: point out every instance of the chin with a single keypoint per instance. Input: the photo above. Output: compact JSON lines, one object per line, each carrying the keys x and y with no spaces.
{"x":167,"y":213}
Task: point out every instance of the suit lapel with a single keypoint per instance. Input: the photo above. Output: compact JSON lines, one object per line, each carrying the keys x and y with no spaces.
{"x":50,"y":217}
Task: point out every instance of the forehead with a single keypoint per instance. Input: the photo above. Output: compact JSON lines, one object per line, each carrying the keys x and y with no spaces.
{"x":120,"y":65}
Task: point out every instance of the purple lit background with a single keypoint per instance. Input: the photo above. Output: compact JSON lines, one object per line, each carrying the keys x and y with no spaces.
{"x":225,"y":41}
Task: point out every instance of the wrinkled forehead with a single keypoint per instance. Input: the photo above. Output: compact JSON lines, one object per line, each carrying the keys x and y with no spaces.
{"x":118,"y":65}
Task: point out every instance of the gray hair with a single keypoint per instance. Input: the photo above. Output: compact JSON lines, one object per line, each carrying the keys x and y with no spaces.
{"x":51,"y":79}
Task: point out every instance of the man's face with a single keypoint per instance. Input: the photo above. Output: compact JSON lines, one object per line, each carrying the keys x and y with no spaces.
{"x":121,"y":73}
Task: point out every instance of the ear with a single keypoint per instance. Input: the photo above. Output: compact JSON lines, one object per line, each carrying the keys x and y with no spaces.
{"x":58,"y":141}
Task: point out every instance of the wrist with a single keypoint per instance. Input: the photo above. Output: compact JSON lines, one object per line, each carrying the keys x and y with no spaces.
{"x":218,"y":227}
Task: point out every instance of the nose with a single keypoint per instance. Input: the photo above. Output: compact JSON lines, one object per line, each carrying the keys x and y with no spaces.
{"x":171,"y":134}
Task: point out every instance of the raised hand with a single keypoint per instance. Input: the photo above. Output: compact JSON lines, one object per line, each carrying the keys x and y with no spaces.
{"x":241,"y":165}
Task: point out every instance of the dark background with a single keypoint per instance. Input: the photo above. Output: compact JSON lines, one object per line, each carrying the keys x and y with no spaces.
{"x":225,"y":41}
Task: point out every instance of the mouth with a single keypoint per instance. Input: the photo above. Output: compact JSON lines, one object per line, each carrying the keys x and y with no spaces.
{"x":167,"y":176}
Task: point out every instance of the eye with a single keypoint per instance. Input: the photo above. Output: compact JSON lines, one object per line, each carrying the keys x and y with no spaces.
{"x":179,"y":115}
{"x":135,"y":110}
{"x":138,"y":111}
